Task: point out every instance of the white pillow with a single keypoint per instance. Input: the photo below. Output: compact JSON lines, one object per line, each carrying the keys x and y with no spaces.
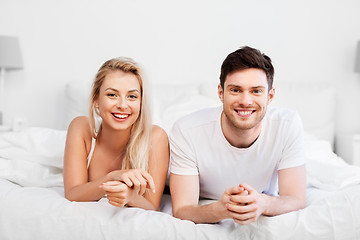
{"x":315,"y":104}
{"x":77,"y":100}
{"x":164,"y":95}
{"x":186,"y":106}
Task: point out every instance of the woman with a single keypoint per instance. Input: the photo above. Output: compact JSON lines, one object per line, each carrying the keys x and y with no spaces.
{"x":125,"y":158}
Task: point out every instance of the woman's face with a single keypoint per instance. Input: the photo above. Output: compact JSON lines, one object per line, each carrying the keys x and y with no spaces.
{"x":119,"y":100}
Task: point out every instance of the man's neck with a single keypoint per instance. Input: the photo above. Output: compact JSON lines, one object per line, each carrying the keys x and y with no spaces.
{"x":237,"y":137}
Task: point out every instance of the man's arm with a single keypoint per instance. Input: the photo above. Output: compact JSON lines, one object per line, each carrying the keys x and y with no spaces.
{"x":292,"y":191}
{"x":185,"y":199}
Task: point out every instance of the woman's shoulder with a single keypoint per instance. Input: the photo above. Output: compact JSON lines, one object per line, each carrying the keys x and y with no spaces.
{"x":158,"y":133}
{"x":79,"y":137}
{"x":159,"y":144}
{"x":80,"y":125}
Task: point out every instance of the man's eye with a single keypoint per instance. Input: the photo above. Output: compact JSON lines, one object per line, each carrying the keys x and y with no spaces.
{"x":234,"y":90}
{"x":257,"y":91}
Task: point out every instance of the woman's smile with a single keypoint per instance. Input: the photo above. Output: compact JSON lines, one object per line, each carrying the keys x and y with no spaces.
{"x":120,"y":116}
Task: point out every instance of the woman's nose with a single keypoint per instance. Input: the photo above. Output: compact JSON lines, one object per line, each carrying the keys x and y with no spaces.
{"x":121,"y":103}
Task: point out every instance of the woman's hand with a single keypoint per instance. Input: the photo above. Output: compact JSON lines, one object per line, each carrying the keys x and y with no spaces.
{"x":118,"y":193}
{"x":138,"y":179}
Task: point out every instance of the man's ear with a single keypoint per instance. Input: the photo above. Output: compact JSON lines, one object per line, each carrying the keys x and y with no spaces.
{"x":271,"y":95}
{"x":221,"y":93}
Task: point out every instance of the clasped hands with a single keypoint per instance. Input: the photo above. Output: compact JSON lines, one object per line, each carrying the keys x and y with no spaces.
{"x":243,"y":204}
{"x":126,"y":185}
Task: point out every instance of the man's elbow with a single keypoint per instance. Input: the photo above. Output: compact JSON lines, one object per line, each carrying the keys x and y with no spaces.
{"x":175,"y":212}
{"x":302,"y":203}
{"x":180,"y":212}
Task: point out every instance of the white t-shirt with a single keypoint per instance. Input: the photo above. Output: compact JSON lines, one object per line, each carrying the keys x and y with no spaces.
{"x":198,"y":147}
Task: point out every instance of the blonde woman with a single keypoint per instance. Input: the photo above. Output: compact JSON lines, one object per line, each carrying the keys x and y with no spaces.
{"x":125,"y":158}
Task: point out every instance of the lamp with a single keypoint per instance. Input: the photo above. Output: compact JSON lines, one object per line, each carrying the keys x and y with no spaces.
{"x":10,"y":58}
{"x":357,"y":60}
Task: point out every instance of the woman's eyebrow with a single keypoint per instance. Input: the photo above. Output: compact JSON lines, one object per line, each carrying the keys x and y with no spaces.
{"x":114,"y":89}
{"x":134,"y":90}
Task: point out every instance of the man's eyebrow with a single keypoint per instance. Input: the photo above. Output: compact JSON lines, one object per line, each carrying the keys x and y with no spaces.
{"x":233,"y":85}
{"x":237,"y":86}
{"x":258,"y":87}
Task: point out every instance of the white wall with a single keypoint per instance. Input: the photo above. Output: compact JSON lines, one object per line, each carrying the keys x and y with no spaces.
{"x":176,"y":41}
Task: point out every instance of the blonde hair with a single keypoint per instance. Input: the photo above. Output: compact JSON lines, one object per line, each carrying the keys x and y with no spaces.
{"x":137,"y":149}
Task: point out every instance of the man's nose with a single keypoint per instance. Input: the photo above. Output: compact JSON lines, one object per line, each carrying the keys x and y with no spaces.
{"x":245,"y":99}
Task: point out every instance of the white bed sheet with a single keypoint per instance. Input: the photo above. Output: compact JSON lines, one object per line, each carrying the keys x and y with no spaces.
{"x":38,"y":210}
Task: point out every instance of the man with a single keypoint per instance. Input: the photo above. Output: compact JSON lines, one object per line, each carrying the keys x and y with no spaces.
{"x":246,"y":156}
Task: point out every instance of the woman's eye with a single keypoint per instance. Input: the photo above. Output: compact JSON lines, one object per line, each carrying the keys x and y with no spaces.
{"x":111,"y":95}
{"x":132,"y":96}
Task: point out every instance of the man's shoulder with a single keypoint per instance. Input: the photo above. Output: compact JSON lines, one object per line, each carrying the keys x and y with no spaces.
{"x":199,"y":118}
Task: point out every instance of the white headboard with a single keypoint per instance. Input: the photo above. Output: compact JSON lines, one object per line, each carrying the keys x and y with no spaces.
{"x":314,"y":102}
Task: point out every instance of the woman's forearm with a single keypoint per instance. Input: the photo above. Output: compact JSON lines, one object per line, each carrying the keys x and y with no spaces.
{"x":142,"y":202}
{"x":89,"y":191}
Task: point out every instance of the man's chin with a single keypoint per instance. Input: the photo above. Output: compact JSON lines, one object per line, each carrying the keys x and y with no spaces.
{"x":243,"y":125}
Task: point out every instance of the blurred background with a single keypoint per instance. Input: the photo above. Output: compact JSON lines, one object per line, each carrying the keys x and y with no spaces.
{"x":176,"y":41}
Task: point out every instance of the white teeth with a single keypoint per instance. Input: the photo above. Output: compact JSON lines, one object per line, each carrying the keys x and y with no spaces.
{"x":244,"y":112}
{"x":121,"y":115}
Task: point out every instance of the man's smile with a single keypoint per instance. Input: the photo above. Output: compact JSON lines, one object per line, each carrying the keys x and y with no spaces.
{"x":244,"y":113}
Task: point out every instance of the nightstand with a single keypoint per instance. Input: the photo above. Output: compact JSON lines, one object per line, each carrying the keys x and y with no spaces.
{"x":348,"y":148}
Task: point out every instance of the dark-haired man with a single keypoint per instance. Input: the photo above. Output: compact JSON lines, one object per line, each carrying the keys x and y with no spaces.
{"x":246,"y":156}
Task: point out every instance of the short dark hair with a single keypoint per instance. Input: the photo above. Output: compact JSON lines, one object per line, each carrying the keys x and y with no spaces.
{"x":244,"y":58}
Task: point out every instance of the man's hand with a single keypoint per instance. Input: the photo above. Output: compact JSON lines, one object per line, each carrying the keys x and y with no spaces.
{"x":246,"y":205}
{"x":224,"y":201}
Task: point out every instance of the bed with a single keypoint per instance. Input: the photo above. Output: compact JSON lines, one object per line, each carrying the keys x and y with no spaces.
{"x":32,"y":203}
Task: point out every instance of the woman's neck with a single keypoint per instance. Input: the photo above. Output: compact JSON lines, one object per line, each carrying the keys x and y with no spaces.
{"x":114,"y":140}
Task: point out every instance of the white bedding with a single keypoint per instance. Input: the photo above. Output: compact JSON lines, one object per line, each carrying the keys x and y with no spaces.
{"x":32,"y":205}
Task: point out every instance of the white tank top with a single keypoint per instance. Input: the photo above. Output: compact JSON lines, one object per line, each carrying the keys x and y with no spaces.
{"x":93,"y":142}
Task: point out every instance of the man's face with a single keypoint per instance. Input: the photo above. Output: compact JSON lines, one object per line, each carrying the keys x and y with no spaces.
{"x":245,"y":98}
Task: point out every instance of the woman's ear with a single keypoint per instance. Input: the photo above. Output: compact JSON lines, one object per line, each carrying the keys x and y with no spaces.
{"x":96,"y":107}
{"x":95,"y":103}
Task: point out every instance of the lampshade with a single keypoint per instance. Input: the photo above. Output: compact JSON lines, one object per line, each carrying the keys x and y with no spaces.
{"x":357,"y":60}
{"x":10,"y":56}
